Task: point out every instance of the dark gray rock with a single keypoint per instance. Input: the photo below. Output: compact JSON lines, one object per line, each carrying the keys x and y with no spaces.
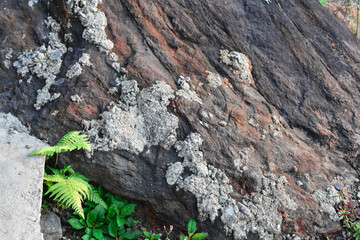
{"x":288,"y":89}
{"x":51,"y":226}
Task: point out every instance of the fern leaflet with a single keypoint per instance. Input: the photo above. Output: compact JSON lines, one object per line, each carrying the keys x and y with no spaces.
{"x":71,"y":141}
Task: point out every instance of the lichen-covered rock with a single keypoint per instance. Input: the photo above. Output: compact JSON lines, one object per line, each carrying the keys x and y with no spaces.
{"x":239,"y":63}
{"x":292,"y":111}
{"x":145,"y":124}
{"x":44,"y":62}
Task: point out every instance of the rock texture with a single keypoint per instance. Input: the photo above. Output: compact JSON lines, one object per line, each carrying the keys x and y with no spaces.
{"x":237,"y":113}
{"x":20,"y":182}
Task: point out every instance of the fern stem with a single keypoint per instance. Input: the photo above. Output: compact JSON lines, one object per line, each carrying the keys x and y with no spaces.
{"x":57,"y":157}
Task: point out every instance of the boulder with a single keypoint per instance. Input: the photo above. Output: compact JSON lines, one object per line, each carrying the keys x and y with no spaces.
{"x":237,"y":113}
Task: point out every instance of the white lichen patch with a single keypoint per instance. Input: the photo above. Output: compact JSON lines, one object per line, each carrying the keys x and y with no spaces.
{"x":327,"y":201}
{"x":32,"y":3}
{"x":212,"y":190}
{"x":94,"y":22}
{"x":43,"y":62}
{"x":214,"y":79}
{"x":114,"y":62}
{"x":76,"y":98}
{"x":8,"y":56}
{"x":144,"y":122}
{"x":185,"y":92}
{"x":239,"y":64}
{"x":84,"y":60}
{"x":74,"y":71}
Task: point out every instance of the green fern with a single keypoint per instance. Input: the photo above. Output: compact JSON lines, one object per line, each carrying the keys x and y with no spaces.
{"x":71,"y":141}
{"x":70,"y":189}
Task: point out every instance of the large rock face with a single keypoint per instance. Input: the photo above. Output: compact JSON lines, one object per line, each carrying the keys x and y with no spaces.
{"x":249,"y":141}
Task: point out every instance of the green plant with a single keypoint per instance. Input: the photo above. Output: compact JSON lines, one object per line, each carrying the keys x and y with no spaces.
{"x":191,"y":227}
{"x":113,"y":222}
{"x":151,"y":236}
{"x":70,"y":189}
{"x":349,"y":210}
{"x":69,"y":142}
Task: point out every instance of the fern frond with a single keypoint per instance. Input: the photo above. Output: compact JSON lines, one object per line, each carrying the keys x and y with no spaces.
{"x":69,"y":191}
{"x":95,"y":198}
{"x":71,"y":141}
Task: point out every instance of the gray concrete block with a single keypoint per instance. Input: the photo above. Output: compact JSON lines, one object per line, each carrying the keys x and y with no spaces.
{"x":21,"y":179}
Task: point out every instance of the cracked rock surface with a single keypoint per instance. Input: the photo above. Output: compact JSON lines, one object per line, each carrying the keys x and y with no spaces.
{"x":238,"y":114}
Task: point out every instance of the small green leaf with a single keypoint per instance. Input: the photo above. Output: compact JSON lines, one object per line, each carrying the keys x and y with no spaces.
{"x":147,"y":234}
{"x":156,"y":236}
{"x":182,"y":237}
{"x":113,"y":228}
{"x":199,"y":236}
{"x":127,"y":209}
{"x":191,"y":227}
{"x":98,"y":234}
{"x":75,"y":223}
{"x":132,"y":235}
{"x":131,"y":221}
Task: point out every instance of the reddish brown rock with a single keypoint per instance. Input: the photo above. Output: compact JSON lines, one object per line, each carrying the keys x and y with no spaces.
{"x":310,"y":86}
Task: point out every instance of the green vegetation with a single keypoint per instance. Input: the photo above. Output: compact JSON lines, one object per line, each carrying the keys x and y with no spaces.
{"x":349,"y":209}
{"x":191,"y":232}
{"x":104,"y":216}
{"x":106,"y":223}
{"x":70,"y":189}
{"x":346,"y":10}
{"x":69,"y":142}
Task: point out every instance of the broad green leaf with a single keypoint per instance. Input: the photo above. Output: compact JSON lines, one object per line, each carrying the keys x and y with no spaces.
{"x":156,"y":236}
{"x":75,"y":223}
{"x":147,"y":234}
{"x":191,"y":227}
{"x":199,"y":236}
{"x":113,"y":228}
{"x":182,"y":237}
{"x":120,"y":221}
{"x":127,"y":209}
{"x":95,"y":216}
{"x":131,"y":234}
{"x":88,"y":231}
{"x":98,"y":234}
{"x":86,"y":237}
{"x":111,"y":211}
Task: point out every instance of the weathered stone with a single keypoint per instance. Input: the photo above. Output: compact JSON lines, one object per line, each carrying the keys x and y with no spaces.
{"x":280,"y":62}
{"x":51,"y":226}
{"x":21,"y":181}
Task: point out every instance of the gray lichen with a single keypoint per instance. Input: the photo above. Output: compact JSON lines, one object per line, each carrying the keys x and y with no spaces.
{"x":145,"y":122}
{"x":43,"y":62}
{"x":8,"y":56}
{"x":76,"y":98}
{"x":214,"y":79}
{"x":327,"y":202}
{"x":185,"y":92}
{"x":94,"y":22}
{"x":239,"y":63}
{"x":212,"y":190}
{"x":84,"y":60}
{"x":74,"y":71}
